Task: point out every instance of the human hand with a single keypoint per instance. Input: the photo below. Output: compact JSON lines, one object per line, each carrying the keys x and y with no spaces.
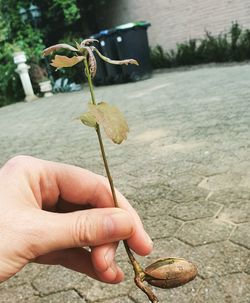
{"x":50,"y":211}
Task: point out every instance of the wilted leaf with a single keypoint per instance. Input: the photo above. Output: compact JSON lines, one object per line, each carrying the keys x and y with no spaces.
{"x":87,"y":42}
{"x":64,"y":61}
{"x":88,"y":119}
{"x":91,"y":62}
{"x":117,"y":62}
{"x":55,"y":47}
{"x":112,"y":120}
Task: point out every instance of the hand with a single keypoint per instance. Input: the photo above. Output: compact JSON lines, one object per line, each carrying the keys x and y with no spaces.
{"x":50,"y":211}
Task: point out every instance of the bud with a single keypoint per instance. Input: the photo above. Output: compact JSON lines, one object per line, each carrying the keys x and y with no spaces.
{"x":170,"y":272}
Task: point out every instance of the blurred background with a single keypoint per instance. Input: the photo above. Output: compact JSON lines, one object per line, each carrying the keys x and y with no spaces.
{"x":182,"y":33}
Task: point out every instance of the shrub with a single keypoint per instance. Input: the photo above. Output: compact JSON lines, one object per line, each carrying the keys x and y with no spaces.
{"x":229,"y":47}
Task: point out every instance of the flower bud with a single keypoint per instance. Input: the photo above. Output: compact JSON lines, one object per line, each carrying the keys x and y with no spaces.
{"x":170,"y":272}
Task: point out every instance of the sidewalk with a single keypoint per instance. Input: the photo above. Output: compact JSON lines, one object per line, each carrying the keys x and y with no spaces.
{"x":185,"y":167}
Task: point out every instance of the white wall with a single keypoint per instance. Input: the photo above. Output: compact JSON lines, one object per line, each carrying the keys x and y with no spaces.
{"x":176,"y":21}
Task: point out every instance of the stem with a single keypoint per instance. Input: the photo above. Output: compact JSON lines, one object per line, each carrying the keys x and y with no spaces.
{"x":139,"y":272}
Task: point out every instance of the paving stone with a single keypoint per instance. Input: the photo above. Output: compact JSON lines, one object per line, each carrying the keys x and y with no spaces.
{"x":184,"y":294}
{"x":63,"y":279}
{"x":195,"y":210}
{"x":176,"y":167}
{"x":60,"y":297}
{"x":230,"y":289}
{"x":222,"y":181}
{"x":220,"y":259}
{"x":152,"y":191}
{"x":149,"y":209}
{"x":184,"y":180}
{"x":204,"y":231}
{"x":97,"y":291}
{"x":229,"y":196}
{"x":207,"y":170}
{"x":17,"y":294}
{"x":162,"y":226}
{"x":237,"y":212}
{"x":193,"y":128}
{"x":241,"y":235}
{"x":185,"y":195}
{"x":165,"y":248}
{"x":26,"y":275}
{"x":247,"y":270}
{"x":118,"y":300}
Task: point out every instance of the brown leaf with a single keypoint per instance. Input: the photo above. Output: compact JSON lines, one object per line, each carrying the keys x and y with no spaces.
{"x":91,"y":61}
{"x":64,"y":61}
{"x":55,"y":47}
{"x":88,"y":119}
{"x":117,"y":62}
{"x":112,"y":120}
{"x":88,"y":42}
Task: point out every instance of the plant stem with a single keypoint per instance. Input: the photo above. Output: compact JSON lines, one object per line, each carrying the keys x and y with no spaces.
{"x":139,"y":272}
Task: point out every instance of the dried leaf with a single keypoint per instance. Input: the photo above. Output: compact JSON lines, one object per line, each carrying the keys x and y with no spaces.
{"x":88,"y":42}
{"x":117,"y":62}
{"x":64,"y":61}
{"x":91,"y":62}
{"x":88,"y":119}
{"x":55,"y":47}
{"x":112,"y":120}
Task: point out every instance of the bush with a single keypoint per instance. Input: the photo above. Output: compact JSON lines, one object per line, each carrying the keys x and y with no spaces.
{"x":229,"y":47}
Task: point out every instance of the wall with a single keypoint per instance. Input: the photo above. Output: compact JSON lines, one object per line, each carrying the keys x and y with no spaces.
{"x":176,"y":21}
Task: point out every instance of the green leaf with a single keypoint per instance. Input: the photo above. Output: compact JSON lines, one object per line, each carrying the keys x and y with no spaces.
{"x":88,"y":119}
{"x":112,"y":120}
{"x":64,"y":61}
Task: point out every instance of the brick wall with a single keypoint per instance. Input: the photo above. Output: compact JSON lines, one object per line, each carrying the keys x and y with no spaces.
{"x":176,"y":21}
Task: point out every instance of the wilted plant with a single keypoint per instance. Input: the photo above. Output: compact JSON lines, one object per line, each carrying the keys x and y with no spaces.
{"x":166,"y":272}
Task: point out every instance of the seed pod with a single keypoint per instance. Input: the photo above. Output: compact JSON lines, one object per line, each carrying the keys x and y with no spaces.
{"x":170,"y":272}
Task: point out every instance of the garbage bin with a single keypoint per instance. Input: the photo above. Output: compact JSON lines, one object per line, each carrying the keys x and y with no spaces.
{"x":127,"y":41}
{"x":132,"y":43}
{"x":107,"y":46}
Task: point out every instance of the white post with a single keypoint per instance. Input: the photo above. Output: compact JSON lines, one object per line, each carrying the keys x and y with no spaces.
{"x":23,"y":71}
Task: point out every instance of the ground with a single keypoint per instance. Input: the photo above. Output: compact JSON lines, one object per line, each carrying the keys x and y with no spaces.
{"x":185,"y":167}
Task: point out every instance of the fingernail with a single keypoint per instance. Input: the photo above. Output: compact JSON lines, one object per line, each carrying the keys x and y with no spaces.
{"x":109,"y":256}
{"x":119,"y":225}
{"x":150,"y":242}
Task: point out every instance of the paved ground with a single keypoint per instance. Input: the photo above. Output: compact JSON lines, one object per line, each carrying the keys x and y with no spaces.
{"x":185,"y":168}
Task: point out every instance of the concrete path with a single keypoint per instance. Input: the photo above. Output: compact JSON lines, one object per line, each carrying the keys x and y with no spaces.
{"x":185,"y":167}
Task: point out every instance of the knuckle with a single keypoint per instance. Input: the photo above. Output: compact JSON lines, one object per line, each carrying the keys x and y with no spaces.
{"x":18,"y":159}
{"x":85,"y":230}
{"x":16,"y":163}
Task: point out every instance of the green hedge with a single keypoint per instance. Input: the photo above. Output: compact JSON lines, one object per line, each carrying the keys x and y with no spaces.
{"x":230,"y":47}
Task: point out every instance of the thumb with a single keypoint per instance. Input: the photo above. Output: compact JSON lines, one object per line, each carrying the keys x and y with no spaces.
{"x":83,"y":228}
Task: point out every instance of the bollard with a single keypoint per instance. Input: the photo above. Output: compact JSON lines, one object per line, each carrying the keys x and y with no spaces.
{"x":22,"y":70}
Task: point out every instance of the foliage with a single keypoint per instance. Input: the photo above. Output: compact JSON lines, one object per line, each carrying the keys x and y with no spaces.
{"x":60,"y":20}
{"x":14,"y":36}
{"x":229,"y":47}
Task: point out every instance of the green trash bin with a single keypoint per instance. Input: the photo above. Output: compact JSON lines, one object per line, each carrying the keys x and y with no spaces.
{"x":132,"y":43}
{"x":127,"y":41}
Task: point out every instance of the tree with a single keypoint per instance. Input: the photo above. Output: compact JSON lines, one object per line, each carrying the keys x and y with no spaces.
{"x":65,"y":20}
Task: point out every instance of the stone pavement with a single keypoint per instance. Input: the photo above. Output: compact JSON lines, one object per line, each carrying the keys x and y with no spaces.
{"x":185,"y":167}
